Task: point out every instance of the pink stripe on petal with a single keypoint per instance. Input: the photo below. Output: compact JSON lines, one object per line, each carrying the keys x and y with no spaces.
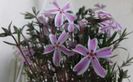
{"x":98,"y":68}
{"x":63,"y":37}
{"x":52,"y":11}
{"x":66,"y":51}
{"x":104,"y":53}
{"x":82,"y":66}
{"x":53,"y":39}
{"x":59,"y":19}
{"x":116,"y":26}
{"x":71,"y":27}
{"x":48,"y":49}
{"x":69,"y":17}
{"x":104,"y":15}
{"x":81,"y":50}
{"x":92,"y":44}
{"x":66,"y":7}
{"x":89,"y":42}
{"x":57,"y":58}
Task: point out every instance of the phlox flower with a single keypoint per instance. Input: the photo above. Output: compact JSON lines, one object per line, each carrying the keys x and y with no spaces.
{"x":61,"y":13}
{"x":58,"y":47}
{"x":91,"y":55}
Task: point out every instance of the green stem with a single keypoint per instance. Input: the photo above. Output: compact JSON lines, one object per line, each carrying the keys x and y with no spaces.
{"x":18,"y":46}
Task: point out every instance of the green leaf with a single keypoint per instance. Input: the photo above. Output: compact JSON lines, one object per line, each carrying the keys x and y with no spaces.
{"x":104,"y":42}
{"x":15,"y":29}
{"x":18,"y":32}
{"x":9,"y":27}
{"x":7,"y":32}
{"x":29,"y":15}
{"x":112,"y":38}
{"x":21,"y":29}
{"x":3,"y":35}
{"x":9,"y":43}
{"x":35,"y":11}
{"x":128,"y":61}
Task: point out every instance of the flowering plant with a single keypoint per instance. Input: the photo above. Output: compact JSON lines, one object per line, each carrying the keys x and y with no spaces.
{"x":60,"y":46}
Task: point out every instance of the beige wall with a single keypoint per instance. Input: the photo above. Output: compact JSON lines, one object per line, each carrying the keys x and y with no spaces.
{"x":10,"y":11}
{"x":122,"y":10}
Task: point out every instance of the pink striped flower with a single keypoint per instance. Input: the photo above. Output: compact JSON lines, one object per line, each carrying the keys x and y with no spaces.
{"x":91,"y":55}
{"x":109,"y":23}
{"x":61,"y":13}
{"x":58,"y":47}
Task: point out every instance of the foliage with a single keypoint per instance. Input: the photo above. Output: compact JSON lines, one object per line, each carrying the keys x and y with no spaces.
{"x":40,"y":68}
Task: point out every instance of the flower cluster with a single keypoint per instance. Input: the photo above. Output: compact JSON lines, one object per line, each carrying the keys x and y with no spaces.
{"x":90,"y":55}
{"x":63,"y":46}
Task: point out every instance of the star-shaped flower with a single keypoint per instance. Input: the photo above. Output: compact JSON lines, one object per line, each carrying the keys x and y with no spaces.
{"x":91,"y":55}
{"x":58,"y":47}
{"x":61,"y":13}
